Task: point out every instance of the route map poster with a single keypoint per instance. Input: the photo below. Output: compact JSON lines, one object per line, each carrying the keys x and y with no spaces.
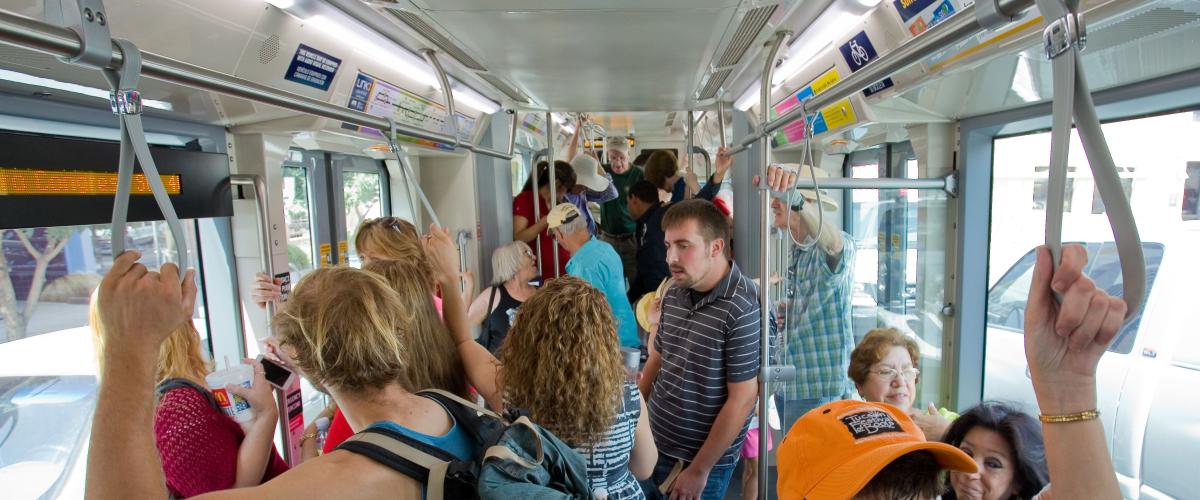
{"x":377,"y":97}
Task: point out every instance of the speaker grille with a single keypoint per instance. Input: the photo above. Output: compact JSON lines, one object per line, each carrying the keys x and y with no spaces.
{"x":269,"y":50}
{"x":420,"y":26}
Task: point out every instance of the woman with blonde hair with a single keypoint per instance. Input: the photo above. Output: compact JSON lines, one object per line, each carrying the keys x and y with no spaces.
{"x":434,"y":362}
{"x":513,"y":265}
{"x":202,"y":449}
{"x":563,"y":365}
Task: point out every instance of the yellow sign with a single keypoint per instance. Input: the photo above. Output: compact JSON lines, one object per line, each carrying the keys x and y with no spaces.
{"x":839,"y":114}
{"x":826,"y":80}
{"x":326,"y":251}
{"x":342,"y":251}
{"x":31,"y":182}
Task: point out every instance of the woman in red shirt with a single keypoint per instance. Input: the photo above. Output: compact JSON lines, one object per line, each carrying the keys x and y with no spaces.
{"x":202,"y":449}
{"x":524,"y":227}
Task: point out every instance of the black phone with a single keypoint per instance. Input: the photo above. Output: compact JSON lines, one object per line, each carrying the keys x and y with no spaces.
{"x":276,"y":374}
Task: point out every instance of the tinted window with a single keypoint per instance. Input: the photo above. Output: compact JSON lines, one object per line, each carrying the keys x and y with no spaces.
{"x":1006,"y":300}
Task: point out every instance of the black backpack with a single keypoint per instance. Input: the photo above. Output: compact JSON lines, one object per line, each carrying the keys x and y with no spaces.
{"x":517,"y":459}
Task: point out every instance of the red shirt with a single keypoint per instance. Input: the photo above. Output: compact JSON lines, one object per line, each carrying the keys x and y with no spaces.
{"x":523,"y":207}
{"x":339,"y":430}
{"x":198,"y":444}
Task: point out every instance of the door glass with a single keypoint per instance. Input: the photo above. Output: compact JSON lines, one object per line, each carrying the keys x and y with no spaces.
{"x":47,"y":362}
{"x":297,"y":214}
{"x":363,"y":200}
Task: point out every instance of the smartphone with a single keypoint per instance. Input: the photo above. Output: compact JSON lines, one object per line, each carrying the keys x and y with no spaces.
{"x":276,"y":374}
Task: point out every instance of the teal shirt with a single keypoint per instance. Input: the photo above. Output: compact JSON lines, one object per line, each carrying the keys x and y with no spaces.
{"x":820,"y":336}
{"x":598,"y":264}
{"x":614,"y":215}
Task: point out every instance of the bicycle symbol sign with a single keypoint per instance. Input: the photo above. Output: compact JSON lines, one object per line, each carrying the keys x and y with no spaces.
{"x":858,"y":51}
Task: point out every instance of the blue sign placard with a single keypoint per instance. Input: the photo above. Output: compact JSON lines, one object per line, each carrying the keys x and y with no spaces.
{"x":943,"y":11}
{"x":313,"y":68}
{"x":909,"y":9}
{"x":878,"y":87}
{"x":858,"y":51}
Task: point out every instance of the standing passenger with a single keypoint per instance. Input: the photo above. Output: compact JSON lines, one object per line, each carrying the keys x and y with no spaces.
{"x":526,"y":229}
{"x":819,"y":284}
{"x":596,"y":263}
{"x":701,"y":377}
{"x":496,"y":306}
{"x":645,"y":206}
{"x":592,"y":184}
{"x":662,"y":170}
{"x":616,"y":226}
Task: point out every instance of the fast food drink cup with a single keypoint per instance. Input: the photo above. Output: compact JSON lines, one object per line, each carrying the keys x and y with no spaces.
{"x":233,"y":405}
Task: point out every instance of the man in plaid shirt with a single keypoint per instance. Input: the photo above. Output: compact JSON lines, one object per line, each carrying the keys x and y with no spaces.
{"x":818,"y":287}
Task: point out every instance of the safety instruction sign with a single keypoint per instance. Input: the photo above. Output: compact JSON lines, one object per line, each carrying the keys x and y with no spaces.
{"x":858,"y":52}
{"x":343,"y":252}
{"x":833,"y":116}
{"x":313,"y":68}
{"x":377,"y":97}
{"x":326,"y":255}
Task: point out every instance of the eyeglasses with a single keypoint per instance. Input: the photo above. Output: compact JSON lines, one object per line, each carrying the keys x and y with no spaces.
{"x":909,"y":374}
{"x":529,"y":253}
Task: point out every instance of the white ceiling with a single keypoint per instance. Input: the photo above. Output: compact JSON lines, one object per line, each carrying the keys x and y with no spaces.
{"x":578,"y":55}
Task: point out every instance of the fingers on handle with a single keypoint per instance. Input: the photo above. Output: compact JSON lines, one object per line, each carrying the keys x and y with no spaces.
{"x":1113,"y":321}
{"x":124,"y":262}
{"x":1070,"y":269}
{"x":1039,"y":286}
{"x":1074,"y":308}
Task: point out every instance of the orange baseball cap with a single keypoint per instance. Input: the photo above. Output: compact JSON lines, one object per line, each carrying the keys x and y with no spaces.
{"x":833,"y":451}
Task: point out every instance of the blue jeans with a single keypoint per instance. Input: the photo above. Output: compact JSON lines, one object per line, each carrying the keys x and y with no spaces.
{"x":718,"y":479}
{"x":793,"y":409}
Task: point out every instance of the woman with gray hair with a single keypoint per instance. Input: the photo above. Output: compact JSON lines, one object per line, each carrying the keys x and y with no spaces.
{"x":513,"y":265}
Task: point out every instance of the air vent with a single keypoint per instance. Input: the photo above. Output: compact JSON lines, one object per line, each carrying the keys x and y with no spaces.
{"x":752,"y":23}
{"x":269,"y":49}
{"x":715,"y":81}
{"x":508,"y":90}
{"x":670,"y":120}
{"x":1137,"y":27}
{"x":424,"y":29}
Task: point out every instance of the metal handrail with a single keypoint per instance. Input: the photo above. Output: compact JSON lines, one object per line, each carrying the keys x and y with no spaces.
{"x":58,"y":41}
{"x":946,"y":33}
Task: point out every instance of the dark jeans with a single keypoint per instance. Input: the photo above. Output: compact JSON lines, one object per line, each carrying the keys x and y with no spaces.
{"x":718,"y":479}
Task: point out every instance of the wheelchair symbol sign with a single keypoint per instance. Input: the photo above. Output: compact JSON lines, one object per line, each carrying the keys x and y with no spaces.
{"x":858,"y":52}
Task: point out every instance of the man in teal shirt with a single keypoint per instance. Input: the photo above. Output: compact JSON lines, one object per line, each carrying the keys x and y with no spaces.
{"x":595,"y":262}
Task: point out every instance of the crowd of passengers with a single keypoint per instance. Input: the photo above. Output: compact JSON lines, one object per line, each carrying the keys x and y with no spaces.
{"x":674,"y":426}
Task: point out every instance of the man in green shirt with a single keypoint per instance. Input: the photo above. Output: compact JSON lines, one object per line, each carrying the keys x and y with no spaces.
{"x":617,"y":227}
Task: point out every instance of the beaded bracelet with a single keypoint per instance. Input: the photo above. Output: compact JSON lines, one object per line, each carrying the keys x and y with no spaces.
{"x":1071,"y":417}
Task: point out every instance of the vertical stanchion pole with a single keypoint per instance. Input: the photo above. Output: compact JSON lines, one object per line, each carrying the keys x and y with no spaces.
{"x":764,"y":270}
{"x":553,"y":180}
{"x":691,"y":132}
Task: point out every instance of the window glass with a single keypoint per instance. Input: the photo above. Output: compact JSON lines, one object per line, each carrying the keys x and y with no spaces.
{"x":297,"y":214}
{"x":363,"y":200}
{"x":47,"y":362}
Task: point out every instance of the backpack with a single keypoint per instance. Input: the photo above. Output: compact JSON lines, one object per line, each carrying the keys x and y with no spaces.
{"x":518,"y":459}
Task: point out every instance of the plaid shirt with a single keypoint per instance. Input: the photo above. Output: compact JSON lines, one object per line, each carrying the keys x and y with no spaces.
{"x":819,"y":336}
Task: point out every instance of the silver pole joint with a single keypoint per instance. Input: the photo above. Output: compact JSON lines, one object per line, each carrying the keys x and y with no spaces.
{"x":1064,"y":33}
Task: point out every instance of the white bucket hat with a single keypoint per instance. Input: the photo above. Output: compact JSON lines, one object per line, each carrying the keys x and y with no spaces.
{"x":587,"y":173}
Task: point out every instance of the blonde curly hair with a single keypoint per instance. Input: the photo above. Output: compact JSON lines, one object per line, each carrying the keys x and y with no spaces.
{"x":562,"y":361}
{"x":434,"y":362}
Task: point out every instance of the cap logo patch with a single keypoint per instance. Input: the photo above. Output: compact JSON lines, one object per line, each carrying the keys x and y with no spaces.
{"x":870,"y":423}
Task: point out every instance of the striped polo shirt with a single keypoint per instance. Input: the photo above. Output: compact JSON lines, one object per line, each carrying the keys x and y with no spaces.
{"x":703,"y":346}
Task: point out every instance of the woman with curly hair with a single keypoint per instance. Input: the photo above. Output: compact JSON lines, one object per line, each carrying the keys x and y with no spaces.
{"x":563,"y":365}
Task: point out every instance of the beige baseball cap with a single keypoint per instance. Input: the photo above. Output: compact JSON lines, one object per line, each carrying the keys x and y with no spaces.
{"x":561,"y":214}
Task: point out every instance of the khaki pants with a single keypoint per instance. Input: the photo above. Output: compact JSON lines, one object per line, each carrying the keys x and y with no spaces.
{"x":626,"y":247}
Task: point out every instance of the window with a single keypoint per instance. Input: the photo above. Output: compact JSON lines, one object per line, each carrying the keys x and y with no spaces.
{"x":1126,"y":186}
{"x":363,"y":197}
{"x":1191,"y":192}
{"x":1041,"y":187}
{"x":297,"y":214}
{"x":1006,"y":300}
{"x":47,"y":362}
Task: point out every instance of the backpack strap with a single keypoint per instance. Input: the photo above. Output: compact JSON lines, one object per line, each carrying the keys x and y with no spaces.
{"x":175,"y":383}
{"x":504,"y":453}
{"x":450,"y":400}
{"x":421,"y":461}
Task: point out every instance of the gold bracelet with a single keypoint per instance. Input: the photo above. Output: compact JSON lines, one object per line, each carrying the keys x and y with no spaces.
{"x":1071,"y":417}
{"x":306,"y":437}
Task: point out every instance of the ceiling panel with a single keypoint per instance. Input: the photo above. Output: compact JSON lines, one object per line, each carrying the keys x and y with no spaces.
{"x":567,"y":55}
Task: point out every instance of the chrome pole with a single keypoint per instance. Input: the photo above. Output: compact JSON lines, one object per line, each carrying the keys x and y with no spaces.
{"x":691,"y":133}
{"x":553,"y":179}
{"x":447,"y":92}
{"x":764,"y":272}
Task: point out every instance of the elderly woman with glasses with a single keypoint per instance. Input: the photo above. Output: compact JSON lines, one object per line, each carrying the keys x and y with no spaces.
{"x":885,"y":368}
{"x":513,"y":266}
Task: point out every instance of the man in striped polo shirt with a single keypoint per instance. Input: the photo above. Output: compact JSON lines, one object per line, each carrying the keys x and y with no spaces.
{"x":702,"y":374}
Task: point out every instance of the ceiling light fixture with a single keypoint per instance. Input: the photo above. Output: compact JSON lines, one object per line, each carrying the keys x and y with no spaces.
{"x":37,"y":81}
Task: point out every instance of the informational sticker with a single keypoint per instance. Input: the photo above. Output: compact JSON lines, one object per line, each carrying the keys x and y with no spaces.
{"x":313,"y":68}
{"x":535,"y":123}
{"x":858,"y":52}
{"x":342,"y":253}
{"x":920,"y":15}
{"x":377,"y":97}
{"x":326,"y":254}
{"x":285,"y":285}
{"x":836,"y":115}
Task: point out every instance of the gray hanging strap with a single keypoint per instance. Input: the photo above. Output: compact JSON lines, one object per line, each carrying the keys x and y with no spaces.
{"x":126,"y":103}
{"x":1063,"y":38}
{"x":400,"y":157}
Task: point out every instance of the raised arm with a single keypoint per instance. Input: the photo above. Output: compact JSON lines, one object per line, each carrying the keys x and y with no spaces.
{"x":139,"y":309}
{"x":255,"y":451}
{"x":482,"y":368}
{"x":609,"y":193}
{"x":1063,"y":344}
